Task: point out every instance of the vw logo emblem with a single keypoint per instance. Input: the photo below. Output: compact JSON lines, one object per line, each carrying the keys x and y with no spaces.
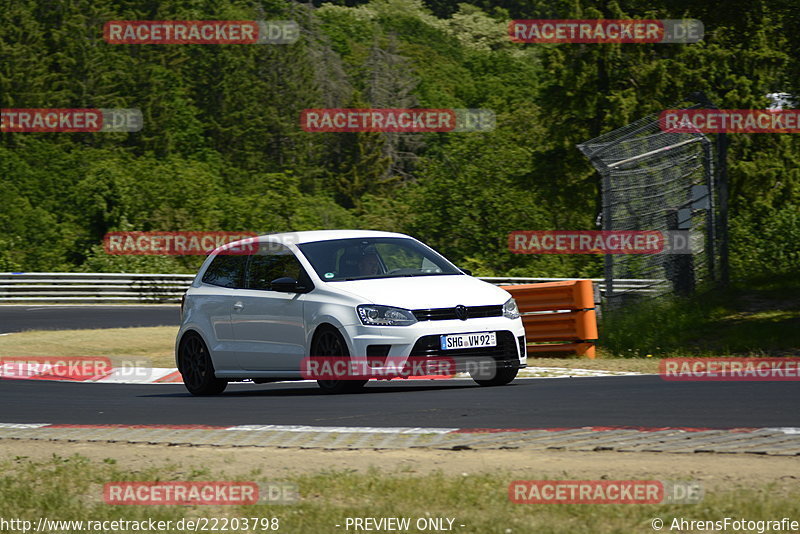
{"x":461,"y":312}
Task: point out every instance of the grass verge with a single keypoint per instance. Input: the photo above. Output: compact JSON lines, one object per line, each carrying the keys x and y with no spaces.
{"x":758,"y":317}
{"x":147,"y":347}
{"x":70,"y":488}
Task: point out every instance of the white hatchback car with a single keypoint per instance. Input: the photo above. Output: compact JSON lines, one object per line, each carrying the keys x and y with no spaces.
{"x":342,"y":293}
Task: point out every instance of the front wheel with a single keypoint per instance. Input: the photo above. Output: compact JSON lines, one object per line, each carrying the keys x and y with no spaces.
{"x":329,"y":342}
{"x":197,"y":369}
{"x":502,"y":376}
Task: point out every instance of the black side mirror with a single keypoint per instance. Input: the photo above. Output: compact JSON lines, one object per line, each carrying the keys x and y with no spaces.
{"x":285,"y":284}
{"x":467,"y":272}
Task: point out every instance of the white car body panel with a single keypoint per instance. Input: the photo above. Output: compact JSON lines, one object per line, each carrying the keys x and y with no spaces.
{"x":265,"y":334}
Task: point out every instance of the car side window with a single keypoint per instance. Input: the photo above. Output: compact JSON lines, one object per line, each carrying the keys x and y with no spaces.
{"x":264,"y":268}
{"x":226,"y":271}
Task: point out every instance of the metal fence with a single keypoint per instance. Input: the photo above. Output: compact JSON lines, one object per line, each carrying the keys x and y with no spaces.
{"x":656,"y":180}
{"x":164,"y":288}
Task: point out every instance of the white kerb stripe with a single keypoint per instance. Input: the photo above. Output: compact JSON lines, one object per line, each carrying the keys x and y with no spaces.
{"x":334,"y":429}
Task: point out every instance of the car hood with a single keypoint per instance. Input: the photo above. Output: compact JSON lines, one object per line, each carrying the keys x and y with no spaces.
{"x":422,"y":292}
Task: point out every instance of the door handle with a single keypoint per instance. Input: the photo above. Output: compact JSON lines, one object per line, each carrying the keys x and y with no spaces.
{"x":238,"y":306}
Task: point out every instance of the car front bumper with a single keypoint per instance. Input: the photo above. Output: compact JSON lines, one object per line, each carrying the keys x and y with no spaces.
{"x":421,"y":340}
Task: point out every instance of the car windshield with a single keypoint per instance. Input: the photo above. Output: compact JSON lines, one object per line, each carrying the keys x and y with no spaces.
{"x":378,"y":257}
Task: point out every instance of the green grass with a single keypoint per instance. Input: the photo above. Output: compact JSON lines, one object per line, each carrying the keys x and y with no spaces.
{"x":757,"y":317}
{"x":69,"y":488}
{"x":144,"y":347}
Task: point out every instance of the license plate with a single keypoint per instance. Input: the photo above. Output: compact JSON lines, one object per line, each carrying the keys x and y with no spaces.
{"x":468,"y":341}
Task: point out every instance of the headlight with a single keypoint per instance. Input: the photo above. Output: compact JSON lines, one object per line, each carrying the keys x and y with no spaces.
{"x":384,"y":315}
{"x":510,"y":309}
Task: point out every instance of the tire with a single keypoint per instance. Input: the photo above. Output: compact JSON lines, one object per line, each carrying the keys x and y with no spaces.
{"x":197,"y":369}
{"x":329,"y":342}
{"x":502,"y":376}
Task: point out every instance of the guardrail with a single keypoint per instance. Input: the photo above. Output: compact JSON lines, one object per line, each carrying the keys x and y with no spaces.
{"x":148,"y":288}
{"x":628,"y":285}
{"x":558,"y":316}
{"x":93,"y":287}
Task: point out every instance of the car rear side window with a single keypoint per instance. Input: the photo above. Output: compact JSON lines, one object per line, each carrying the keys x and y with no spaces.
{"x":280,"y":263}
{"x":226,"y":271}
{"x":265,"y":269}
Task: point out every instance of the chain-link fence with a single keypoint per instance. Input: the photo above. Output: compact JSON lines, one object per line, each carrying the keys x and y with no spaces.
{"x":656,"y":180}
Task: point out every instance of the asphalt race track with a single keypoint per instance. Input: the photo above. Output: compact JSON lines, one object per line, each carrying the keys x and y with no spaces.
{"x":645,"y":401}
{"x":526,"y":403}
{"x":33,"y":317}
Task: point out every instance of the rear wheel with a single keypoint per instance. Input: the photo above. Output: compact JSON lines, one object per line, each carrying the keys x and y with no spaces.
{"x":500,"y":377}
{"x":197,"y":369}
{"x":329,"y":342}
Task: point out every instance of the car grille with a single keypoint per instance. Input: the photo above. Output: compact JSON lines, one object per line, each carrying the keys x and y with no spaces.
{"x":506,"y":348}
{"x":473,"y":312}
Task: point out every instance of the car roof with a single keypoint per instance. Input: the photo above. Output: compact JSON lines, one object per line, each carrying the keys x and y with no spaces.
{"x":295,"y":238}
{"x":325,"y":235}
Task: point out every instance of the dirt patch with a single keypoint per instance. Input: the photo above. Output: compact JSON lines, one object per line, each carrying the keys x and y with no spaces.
{"x":632,"y":365}
{"x":712,"y":470}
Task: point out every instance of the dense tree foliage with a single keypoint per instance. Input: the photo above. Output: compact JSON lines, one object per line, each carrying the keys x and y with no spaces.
{"x":222,"y":147}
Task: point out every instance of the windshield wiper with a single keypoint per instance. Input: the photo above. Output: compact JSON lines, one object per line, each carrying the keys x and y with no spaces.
{"x":407,"y":275}
{"x":370,"y":277}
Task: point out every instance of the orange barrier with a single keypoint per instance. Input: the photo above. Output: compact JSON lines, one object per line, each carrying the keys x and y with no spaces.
{"x":558,"y":312}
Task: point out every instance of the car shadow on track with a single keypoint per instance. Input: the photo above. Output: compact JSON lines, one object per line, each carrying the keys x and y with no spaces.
{"x":311,"y":390}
